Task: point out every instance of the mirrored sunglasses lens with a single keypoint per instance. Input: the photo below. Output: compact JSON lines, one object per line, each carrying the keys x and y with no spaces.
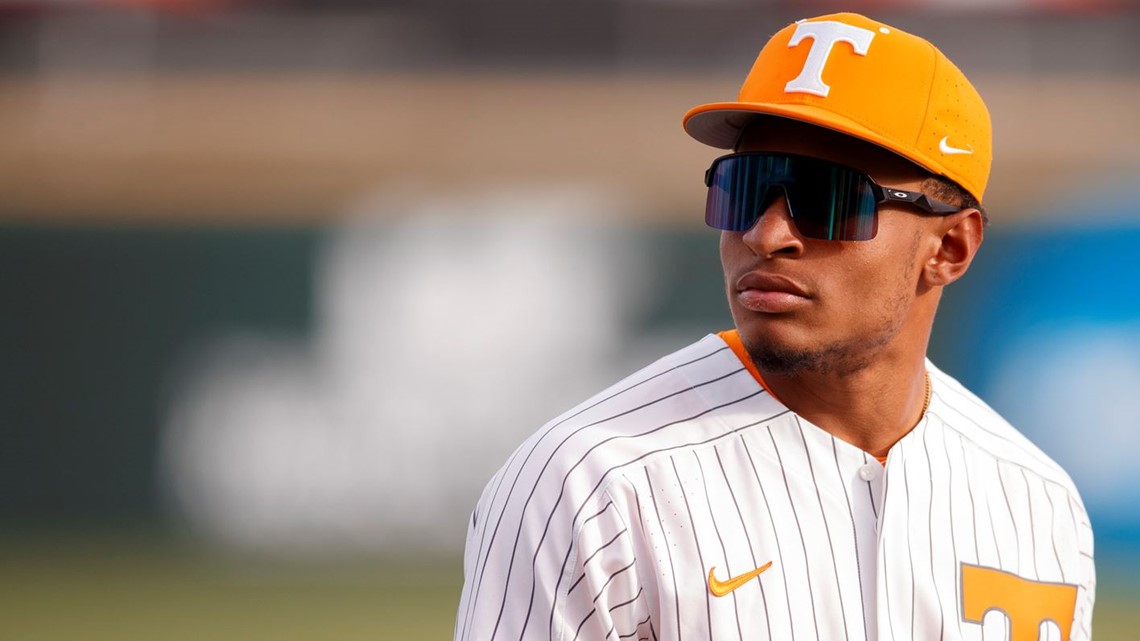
{"x":727,"y":206}
{"x":825,"y":201}
{"x":832,"y":202}
{"x":739,"y":190}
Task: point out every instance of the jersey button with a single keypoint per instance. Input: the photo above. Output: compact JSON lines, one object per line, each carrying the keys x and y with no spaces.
{"x":871,"y":471}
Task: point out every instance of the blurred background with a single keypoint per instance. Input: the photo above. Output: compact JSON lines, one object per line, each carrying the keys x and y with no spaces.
{"x":282,"y":283}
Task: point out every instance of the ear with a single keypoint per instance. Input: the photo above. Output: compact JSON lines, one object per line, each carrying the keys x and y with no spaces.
{"x":961,"y":236}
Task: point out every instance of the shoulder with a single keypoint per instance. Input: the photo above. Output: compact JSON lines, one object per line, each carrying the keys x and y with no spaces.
{"x":565,"y":477}
{"x":630,"y":419}
{"x":678,"y":402}
{"x":988,"y":433}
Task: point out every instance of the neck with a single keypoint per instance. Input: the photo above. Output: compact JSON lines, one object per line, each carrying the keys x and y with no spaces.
{"x":871,"y":408}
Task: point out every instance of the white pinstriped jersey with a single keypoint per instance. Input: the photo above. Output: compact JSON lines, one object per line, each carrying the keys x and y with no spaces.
{"x":607,"y":523}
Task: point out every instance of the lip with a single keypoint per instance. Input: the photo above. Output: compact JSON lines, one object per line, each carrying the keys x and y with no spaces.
{"x":769,"y":293}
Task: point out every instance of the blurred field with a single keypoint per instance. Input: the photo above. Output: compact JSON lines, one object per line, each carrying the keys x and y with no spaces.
{"x":139,"y":589}
{"x":126,"y":590}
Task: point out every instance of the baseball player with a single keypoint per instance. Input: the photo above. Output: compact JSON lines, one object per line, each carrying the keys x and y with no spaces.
{"x":808,"y":474}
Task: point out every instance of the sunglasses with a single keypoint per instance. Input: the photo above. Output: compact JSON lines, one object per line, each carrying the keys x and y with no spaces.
{"x":825,"y":200}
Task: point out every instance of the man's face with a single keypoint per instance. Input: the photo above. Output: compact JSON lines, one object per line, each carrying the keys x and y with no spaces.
{"x":802,"y":304}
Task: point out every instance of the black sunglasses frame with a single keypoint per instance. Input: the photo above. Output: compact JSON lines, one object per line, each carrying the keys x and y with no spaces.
{"x":882,"y":194}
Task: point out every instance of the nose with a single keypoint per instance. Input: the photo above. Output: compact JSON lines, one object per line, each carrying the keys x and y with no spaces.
{"x":775,"y":232}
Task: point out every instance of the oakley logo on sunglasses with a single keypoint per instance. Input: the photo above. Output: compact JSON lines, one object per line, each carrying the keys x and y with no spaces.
{"x":824,"y":35}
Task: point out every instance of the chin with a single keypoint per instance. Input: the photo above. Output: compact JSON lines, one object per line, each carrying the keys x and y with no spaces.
{"x":778,"y":359}
{"x":785,"y":332}
{"x":773,"y":345}
{"x":778,"y":349}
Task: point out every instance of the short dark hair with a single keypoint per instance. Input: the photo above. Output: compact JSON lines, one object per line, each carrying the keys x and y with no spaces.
{"x":950,"y":192}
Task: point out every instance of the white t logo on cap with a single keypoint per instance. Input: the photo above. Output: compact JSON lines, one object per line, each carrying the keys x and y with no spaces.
{"x":824,"y":35}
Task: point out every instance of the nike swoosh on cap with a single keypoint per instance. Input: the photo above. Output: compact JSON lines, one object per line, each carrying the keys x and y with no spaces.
{"x":945,"y":148}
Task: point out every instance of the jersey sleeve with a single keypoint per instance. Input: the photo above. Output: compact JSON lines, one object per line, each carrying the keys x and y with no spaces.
{"x":541,"y":571}
{"x":1086,"y":589}
{"x":607,"y":597}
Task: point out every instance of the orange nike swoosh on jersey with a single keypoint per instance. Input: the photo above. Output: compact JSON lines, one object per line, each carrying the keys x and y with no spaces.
{"x":721,"y":588}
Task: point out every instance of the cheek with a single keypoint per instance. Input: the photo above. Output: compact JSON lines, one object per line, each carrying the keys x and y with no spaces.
{"x":733,"y":253}
{"x":729,"y":243}
{"x":867,"y":291}
{"x":880,"y":288}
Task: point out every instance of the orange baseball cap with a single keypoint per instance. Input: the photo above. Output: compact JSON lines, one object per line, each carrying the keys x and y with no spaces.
{"x":865,"y":79}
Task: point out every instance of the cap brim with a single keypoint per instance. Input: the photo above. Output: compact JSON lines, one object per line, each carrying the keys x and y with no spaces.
{"x":719,"y":124}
